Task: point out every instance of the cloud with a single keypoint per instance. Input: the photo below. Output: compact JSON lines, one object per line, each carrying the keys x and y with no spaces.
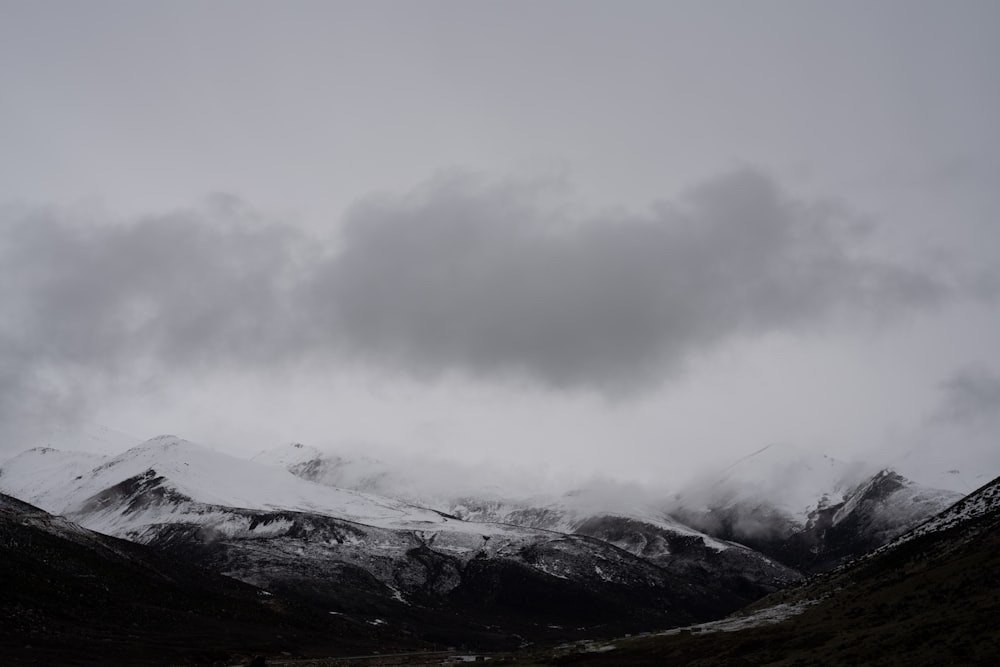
{"x":469,"y":277}
{"x":90,"y":304}
{"x":463,"y":276}
{"x":953,"y":446}
{"x":971,"y":396}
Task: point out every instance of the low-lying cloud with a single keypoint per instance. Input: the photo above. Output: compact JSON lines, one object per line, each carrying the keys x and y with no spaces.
{"x":461,"y":277}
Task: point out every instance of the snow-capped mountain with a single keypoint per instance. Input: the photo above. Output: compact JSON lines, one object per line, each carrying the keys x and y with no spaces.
{"x":167,"y":479}
{"x":556,"y":512}
{"x":360,"y":553}
{"x":873,"y":513}
{"x":809,"y":511}
{"x":588,"y":511}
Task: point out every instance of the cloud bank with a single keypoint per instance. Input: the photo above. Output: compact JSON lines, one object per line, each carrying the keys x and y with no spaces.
{"x":463,"y":276}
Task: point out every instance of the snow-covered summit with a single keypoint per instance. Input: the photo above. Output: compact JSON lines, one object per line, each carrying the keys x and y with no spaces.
{"x":900,"y":502}
{"x":65,"y":482}
{"x":43,"y":476}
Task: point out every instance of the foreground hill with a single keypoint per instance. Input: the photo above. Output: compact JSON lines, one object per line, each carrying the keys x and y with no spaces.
{"x":75,"y":597}
{"x":932,"y":597}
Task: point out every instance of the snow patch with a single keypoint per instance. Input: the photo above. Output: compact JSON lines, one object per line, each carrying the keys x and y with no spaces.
{"x":766,"y":616}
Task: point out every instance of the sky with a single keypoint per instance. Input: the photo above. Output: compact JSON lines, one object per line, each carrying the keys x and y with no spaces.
{"x":582,"y":239}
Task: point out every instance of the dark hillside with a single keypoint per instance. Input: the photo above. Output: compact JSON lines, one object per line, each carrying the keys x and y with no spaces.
{"x":74,"y":597}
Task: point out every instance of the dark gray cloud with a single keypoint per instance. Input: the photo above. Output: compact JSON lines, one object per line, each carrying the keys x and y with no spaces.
{"x":463,"y":276}
{"x":468,"y":277}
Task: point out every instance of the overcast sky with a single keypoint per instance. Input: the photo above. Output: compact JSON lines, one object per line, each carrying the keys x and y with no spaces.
{"x":627,"y":239}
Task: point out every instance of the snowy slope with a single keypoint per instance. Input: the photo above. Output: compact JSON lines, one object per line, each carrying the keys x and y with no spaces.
{"x":892,"y":504}
{"x":981,"y":502}
{"x":64,"y":482}
{"x":564,"y":513}
{"x":44,"y":476}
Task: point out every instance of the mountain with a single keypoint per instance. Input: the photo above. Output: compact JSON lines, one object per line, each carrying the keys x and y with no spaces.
{"x":613,"y":515}
{"x":808,"y":512}
{"x":166,"y":479}
{"x":422,"y":572}
{"x":930,"y":597}
{"x":779,"y":504}
{"x":73,"y":596}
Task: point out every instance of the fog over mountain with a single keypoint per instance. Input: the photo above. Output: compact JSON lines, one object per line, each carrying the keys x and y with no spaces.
{"x":544,"y":247}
